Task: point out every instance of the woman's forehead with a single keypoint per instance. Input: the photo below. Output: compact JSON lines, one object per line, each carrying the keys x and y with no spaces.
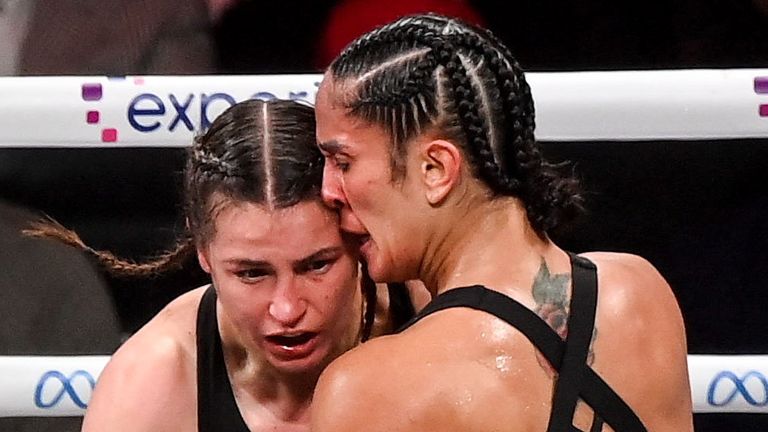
{"x":336,"y":93}
{"x":339,"y":132}
{"x":246,"y":223}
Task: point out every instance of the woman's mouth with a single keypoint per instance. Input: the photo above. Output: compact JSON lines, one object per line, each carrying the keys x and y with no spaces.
{"x":362,"y":239}
{"x":364,"y":244}
{"x":291,"y":346}
{"x":356,"y":240}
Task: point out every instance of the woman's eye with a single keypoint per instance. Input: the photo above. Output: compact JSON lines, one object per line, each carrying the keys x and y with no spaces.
{"x":251,"y":275}
{"x":336,"y":162}
{"x":320,"y":266}
{"x":341,"y":164}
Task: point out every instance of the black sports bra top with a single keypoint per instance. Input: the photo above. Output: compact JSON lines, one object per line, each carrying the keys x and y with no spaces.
{"x":576,"y":380}
{"x":216,"y":406}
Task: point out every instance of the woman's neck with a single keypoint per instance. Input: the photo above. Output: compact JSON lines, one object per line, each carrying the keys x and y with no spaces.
{"x":490,"y":244}
{"x":257,"y":385}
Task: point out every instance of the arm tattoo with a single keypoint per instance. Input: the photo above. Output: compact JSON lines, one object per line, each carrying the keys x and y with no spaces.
{"x":550,"y":292}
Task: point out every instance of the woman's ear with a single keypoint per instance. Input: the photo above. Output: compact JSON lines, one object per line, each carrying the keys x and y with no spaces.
{"x":440,"y":169}
{"x":203,"y":260}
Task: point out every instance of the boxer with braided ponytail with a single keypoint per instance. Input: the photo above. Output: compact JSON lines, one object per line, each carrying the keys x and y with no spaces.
{"x":287,"y":294}
{"x":427,"y":128}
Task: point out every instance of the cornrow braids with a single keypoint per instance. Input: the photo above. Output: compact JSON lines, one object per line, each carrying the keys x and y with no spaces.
{"x":474,"y":126}
{"x":462,"y":81}
{"x":550,"y":197}
{"x":562,"y":199}
{"x":394,"y":105}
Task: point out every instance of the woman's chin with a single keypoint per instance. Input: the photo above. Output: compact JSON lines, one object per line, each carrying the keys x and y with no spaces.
{"x":381,"y":272}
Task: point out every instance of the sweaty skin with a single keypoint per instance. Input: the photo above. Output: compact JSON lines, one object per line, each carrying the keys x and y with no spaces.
{"x":476,"y":373}
{"x":266,"y":285}
{"x":465,"y":370}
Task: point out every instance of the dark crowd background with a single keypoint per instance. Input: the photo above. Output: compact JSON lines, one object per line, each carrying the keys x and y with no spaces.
{"x":696,"y":209}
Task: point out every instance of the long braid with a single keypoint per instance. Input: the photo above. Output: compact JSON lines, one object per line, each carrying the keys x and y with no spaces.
{"x":173,"y":259}
{"x":227,"y":164}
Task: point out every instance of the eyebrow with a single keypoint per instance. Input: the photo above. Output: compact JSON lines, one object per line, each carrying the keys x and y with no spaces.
{"x":325,"y":252}
{"x":332,"y":250}
{"x":332,"y":147}
{"x":248,"y":262}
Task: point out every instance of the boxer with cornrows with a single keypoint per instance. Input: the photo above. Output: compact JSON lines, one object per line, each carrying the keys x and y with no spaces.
{"x":427,"y":128}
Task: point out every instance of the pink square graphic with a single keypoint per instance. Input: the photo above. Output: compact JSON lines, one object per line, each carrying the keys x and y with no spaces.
{"x":92,"y":117}
{"x":761,"y":84}
{"x":91,"y":91}
{"x":109,"y":135}
{"x":764,"y":110}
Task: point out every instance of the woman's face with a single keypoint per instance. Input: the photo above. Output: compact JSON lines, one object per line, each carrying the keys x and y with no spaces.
{"x":357,"y":179}
{"x":287,"y":283}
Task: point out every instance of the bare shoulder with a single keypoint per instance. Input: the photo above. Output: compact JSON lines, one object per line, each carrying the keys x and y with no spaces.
{"x":628,"y":280}
{"x":635,"y":301}
{"x":179,"y":316}
{"x":639,"y":329}
{"x":363,"y":389}
{"x":362,"y":367}
{"x":623,"y":264}
{"x":152,"y":376}
{"x":172,"y":330}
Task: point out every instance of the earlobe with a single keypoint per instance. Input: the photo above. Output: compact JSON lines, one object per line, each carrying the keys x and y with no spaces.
{"x":441,"y":168}
{"x":203,"y":260}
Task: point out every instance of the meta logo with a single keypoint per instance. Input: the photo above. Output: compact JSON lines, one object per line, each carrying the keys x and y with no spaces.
{"x":752,"y":387}
{"x":64,"y":386}
{"x":761,"y":87}
{"x":147,"y":112}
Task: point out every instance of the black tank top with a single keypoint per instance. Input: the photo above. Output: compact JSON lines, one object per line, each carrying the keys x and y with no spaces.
{"x":576,"y":380}
{"x":216,"y":406}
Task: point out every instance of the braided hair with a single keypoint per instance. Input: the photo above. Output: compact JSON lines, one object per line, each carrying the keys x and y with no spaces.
{"x":431,"y":72}
{"x":262,"y":152}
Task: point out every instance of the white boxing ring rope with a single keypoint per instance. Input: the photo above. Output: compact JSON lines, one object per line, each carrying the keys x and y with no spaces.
{"x":165,"y":111}
{"x":62,"y":386}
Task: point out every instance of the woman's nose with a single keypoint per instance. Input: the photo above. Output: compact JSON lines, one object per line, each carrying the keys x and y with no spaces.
{"x":287,"y":307}
{"x":331,"y":191}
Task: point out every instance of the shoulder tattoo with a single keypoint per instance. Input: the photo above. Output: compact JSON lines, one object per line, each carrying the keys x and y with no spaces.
{"x":550,"y":292}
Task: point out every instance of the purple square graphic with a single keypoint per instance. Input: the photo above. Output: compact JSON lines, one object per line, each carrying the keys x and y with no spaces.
{"x":92,"y":117}
{"x":764,"y":110}
{"x":761,"y":84}
{"x":91,"y":91}
{"x":109,"y":135}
